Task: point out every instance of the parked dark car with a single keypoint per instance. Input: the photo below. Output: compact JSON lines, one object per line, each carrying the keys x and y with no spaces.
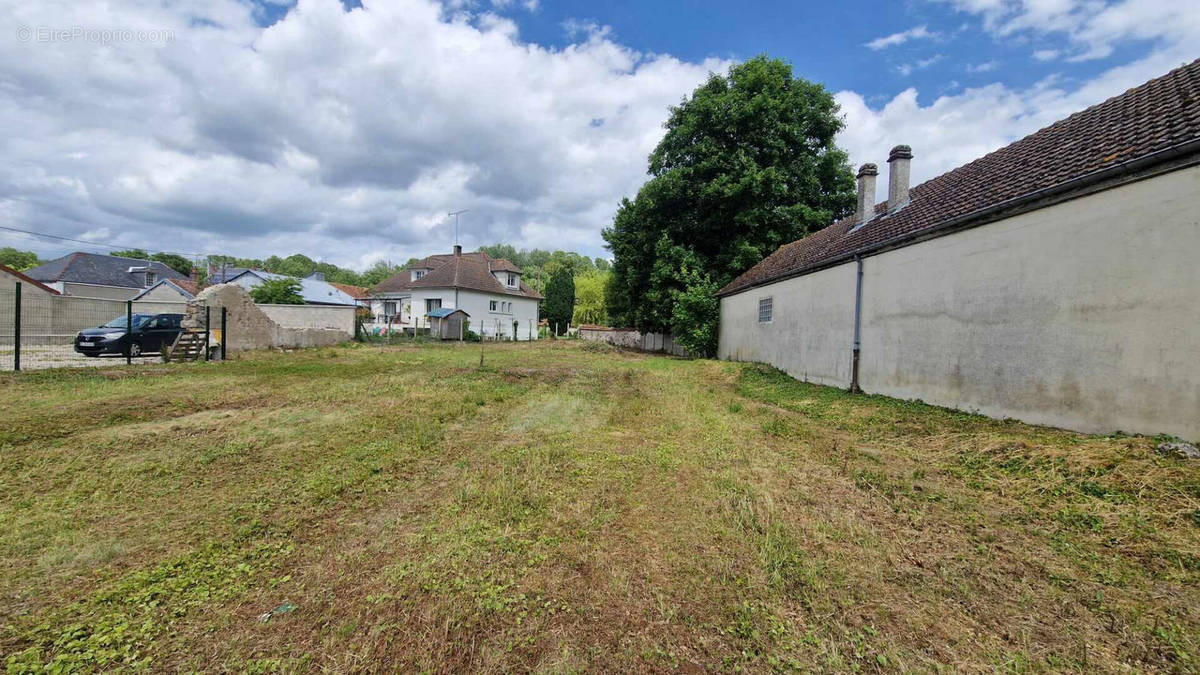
{"x":150,"y":333}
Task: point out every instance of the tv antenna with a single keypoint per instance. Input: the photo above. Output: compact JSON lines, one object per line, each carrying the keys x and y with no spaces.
{"x":456,"y":214}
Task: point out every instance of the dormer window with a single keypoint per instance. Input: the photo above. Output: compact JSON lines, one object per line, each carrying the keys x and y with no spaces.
{"x":417,"y":274}
{"x":512,"y":280}
{"x":151,"y":279}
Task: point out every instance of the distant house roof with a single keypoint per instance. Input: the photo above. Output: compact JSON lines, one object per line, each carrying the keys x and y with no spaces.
{"x":1148,"y":122}
{"x":313,"y":291}
{"x":100,"y":270}
{"x":186,"y":288}
{"x":443,"y":312}
{"x":471,"y":271}
{"x":219,"y":276}
{"x":356,"y":292}
{"x":25,"y":279}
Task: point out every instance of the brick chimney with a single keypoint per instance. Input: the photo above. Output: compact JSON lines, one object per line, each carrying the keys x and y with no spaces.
{"x":457,"y":250}
{"x":899,"y":160}
{"x":866,"y":193}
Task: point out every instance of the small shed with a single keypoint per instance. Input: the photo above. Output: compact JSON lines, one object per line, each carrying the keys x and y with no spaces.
{"x":447,"y":323}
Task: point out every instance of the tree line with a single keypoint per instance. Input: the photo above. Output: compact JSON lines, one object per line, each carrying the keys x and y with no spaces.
{"x":577,"y":297}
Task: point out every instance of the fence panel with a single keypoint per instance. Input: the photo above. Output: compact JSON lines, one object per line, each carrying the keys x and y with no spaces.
{"x":67,"y":331}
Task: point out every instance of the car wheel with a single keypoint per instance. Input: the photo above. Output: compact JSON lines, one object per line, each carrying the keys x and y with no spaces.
{"x":135,"y":349}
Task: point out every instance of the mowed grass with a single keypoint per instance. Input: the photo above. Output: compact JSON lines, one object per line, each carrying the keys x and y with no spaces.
{"x":567,"y":507}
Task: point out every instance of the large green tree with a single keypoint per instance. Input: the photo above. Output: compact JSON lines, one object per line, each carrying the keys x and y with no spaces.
{"x":17,"y":259}
{"x":560,"y":299}
{"x":747,"y":164}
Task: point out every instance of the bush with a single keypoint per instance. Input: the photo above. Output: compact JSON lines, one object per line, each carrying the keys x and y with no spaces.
{"x":277,"y":292}
{"x":468,"y":334}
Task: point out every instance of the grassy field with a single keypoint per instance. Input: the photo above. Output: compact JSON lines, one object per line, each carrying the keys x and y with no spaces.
{"x":567,"y":507}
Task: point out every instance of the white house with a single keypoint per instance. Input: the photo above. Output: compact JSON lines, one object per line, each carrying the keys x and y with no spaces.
{"x":1054,"y":280}
{"x":489,"y":290}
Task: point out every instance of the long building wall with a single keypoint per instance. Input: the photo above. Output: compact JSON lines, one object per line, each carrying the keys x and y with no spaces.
{"x":337,"y":317}
{"x":1083,"y":315}
{"x":811,"y":331}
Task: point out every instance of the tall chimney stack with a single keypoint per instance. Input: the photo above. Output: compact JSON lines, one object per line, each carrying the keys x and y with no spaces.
{"x":866,"y":193}
{"x":899,"y":160}
{"x":457,"y":250}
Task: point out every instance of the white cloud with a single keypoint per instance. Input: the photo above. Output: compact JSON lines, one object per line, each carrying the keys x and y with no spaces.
{"x":1093,"y":28}
{"x":986,"y":67}
{"x":915,"y":33}
{"x":907,"y":69}
{"x":330,"y":133}
{"x":349,"y":135}
{"x":956,"y":129}
{"x":1046,"y":54}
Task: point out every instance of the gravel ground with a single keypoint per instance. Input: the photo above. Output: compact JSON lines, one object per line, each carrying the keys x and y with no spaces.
{"x":63,"y":356}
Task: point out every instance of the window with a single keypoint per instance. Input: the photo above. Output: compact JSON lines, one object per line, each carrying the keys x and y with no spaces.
{"x":389,"y":309}
{"x":417,"y":274}
{"x":492,"y":306}
{"x":765,"y":310}
{"x":512,"y":280}
{"x":432,"y":304}
{"x":151,"y":278}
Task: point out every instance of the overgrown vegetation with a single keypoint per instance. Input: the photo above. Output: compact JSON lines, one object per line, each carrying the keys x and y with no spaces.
{"x":565,"y":507}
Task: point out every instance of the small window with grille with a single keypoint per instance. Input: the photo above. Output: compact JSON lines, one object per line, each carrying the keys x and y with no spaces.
{"x":765,"y":309}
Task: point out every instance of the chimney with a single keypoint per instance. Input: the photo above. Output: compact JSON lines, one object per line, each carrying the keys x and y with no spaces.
{"x":457,"y":250}
{"x":899,"y":160}
{"x":866,"y":193}
{"x":195,"y":275}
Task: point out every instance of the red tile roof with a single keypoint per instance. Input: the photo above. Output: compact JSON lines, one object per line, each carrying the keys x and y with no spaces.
{"x":356,"y":292}
{"x":471,"y":271}
{"x":1159,"y":116}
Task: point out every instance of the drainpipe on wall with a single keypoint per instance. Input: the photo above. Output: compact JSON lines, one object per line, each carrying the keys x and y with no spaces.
{"x":854,"y":388}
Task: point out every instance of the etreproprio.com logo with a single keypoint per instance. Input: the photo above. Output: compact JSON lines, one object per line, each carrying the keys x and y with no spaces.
{"x":93,"y":35}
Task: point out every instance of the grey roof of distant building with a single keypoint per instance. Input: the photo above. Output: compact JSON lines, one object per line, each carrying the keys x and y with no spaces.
{"x":472,"y":271}
{"x":220,"y":276}
{"x":98,"y":269}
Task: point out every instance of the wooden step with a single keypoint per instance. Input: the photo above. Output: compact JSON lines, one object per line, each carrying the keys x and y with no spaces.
{"x":188,"y":346}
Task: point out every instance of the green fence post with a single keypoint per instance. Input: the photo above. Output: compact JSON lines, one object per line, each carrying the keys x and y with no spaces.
{"x":224,"y":333}
{"x":128,"y":332}
{"x":207,"y":329}
{"x":17,"y":328}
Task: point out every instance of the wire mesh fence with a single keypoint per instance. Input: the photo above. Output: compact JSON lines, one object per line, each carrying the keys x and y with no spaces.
{"x":43,"y":330}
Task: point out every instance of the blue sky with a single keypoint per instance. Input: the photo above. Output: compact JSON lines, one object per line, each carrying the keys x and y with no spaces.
{"x":347,"y":131}
{"x":937,"y":47}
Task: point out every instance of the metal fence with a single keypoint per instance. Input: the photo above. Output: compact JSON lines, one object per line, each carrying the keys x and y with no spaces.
{"x":43,"y":330}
